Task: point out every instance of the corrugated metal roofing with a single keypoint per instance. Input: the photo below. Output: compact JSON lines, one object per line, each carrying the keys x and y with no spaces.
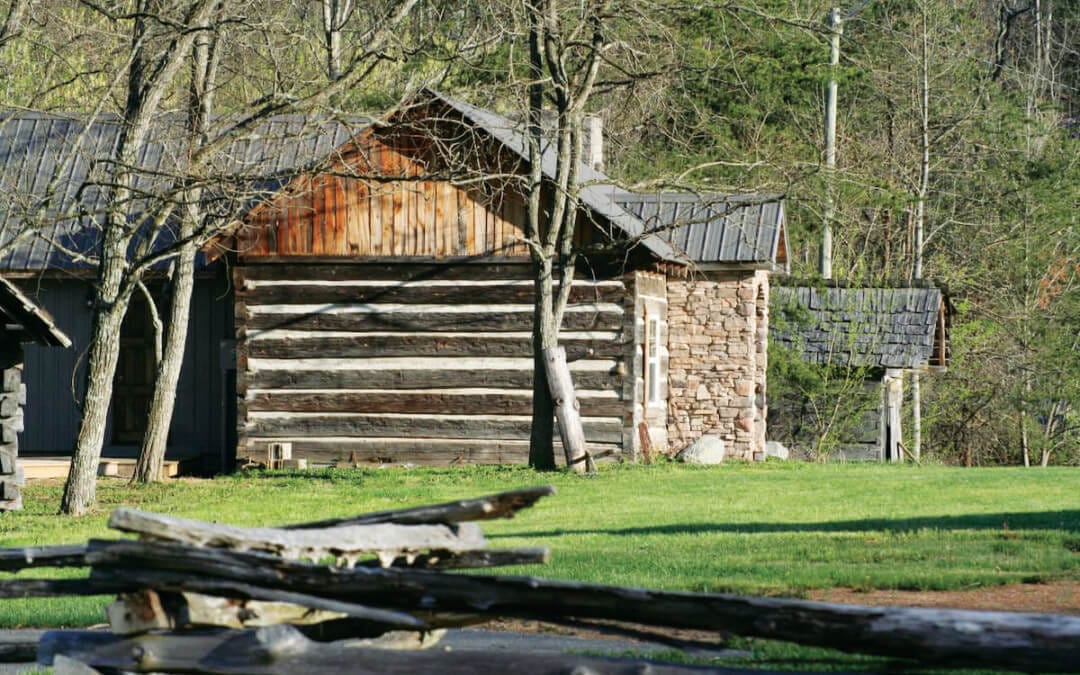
{"x":857,"y":327}
{"x":54,"y":170}
{"x":678,"y":227}
{"x":597,"y":189}
{"x":53,"y":192}
{"x":713,"y":228}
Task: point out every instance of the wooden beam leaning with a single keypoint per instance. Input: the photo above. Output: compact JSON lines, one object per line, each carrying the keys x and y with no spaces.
{"x":387,"y":540}
{"x":285,"y":650}
{"x":1040,"y":642}
{"x":489,"y":507}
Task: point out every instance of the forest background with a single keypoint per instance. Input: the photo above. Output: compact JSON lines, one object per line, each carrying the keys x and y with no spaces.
{"x":958,"y":141}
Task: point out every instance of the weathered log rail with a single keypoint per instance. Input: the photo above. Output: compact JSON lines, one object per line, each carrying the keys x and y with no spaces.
{"x":246,"y":597}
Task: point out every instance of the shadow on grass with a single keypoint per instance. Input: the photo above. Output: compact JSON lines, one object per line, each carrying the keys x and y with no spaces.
{"x":1066,"y":521}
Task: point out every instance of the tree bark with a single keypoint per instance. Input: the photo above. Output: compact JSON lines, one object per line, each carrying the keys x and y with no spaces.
{"x":80,"y":489}
{"x":150,"y":466}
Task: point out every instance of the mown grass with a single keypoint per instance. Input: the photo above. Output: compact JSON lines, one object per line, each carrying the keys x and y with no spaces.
{"x":779,"y":529}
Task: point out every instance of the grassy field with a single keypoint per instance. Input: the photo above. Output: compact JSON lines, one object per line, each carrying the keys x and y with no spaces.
{"x":778,"y":529}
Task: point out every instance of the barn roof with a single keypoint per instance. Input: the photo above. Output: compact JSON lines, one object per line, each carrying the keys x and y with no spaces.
{"x":52,"y":193}
{"x":715,"y":228}
{"x":862,"y":327}
{"x":597,"y":190}
{"x":52,"y":169}
{"x":34,"y":323}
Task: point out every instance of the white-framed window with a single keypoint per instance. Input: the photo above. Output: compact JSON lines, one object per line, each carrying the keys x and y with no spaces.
{"x":652,"y":360}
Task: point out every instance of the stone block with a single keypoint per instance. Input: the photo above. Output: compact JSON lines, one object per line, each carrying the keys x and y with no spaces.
{"x":708,"y":449}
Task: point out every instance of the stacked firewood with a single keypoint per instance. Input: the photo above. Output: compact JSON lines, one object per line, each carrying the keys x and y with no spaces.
{"x":367,"y":594}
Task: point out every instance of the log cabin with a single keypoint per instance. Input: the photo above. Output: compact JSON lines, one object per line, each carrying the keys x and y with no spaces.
{"x":371,"y":301}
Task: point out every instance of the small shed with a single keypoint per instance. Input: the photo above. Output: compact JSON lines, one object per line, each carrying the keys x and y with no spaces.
{"x":24,"y":322}
{"x":873,"y":334}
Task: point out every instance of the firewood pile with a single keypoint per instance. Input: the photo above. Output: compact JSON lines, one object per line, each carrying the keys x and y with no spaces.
{"x":370,"y":594}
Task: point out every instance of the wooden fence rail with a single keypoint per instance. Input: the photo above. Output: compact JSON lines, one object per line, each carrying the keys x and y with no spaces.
{"x":176,"y":575}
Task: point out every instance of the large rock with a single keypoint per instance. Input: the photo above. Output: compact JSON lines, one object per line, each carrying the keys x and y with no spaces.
{"x":705,"y":450}
{"x":776,"y":449}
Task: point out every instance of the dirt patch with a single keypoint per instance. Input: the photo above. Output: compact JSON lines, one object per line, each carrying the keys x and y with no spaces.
{"x":1059,"y":597}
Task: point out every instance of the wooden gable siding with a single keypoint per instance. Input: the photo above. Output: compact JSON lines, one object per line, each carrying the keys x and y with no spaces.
{"x":410,"y":363}
{"x":380,"y":202}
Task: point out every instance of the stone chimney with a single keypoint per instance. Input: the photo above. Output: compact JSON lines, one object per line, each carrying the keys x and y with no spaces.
{"x":593,"y":145}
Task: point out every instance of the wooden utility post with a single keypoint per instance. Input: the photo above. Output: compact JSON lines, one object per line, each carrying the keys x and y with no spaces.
{"x":825,"y":261}
{"x":567,"y":410}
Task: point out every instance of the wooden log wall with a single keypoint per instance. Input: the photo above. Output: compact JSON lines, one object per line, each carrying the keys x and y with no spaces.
{"x":12,"y":399}
{"x":413,"y":363}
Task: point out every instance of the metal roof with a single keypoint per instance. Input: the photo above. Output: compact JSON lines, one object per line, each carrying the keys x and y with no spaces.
{"x":675,"y":226}
{"x":714,"y":228}
{"x":597,"y":190}
{"x":53,"y":191}
{"x":34,"y":322}
{"x":858,"y":327}
{"x":54,"y":168}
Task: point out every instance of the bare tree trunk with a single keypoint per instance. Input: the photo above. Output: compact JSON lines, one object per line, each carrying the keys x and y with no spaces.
{"x":80,"y":489}
{"x":825,"y":260}
{"x":335,"y":15}
{"x":920,"y":221}
{"x":149,"y":467}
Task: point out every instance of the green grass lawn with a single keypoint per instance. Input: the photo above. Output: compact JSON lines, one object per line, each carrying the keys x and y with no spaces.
{"x":772,"y":528}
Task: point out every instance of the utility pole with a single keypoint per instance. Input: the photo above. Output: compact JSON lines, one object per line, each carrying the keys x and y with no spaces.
{"x":836,"y":29}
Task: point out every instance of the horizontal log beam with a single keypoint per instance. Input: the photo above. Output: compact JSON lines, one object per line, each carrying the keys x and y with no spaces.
{"x":15,"y":559}
{"x":313,"y":345}
{"x":461,"y":293}
{"x":311,"y":543}
{"x":597,"y":430}
{"x":320,"y":270}
{"x":422,"y":321}
{"x":1031,"y":642}
{"x":489,"y":507}
{"x":422,"y":451}
{"x":405,"y":402}
{"x":418,"y":379}
{"x":284,"y":650}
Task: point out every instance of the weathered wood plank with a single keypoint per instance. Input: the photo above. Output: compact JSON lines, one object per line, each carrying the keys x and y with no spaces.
{"x":15,"y":559}
{"x":451,"y":270}
{"x":567,"y":409}
{"x":406,"y":320}
{"x":421,"y":451}
{"x":284,"y":650}
{"x":489,"y":507}
{"x":314,"y":345}
{"x":464,"y":293}
{"x":597,"y":430}
{"x":383,"y":538}
{"x":464,"y":403}
{"x":51,"y":588}
{"x":1043,"y":642}
{"x":413,"y":379}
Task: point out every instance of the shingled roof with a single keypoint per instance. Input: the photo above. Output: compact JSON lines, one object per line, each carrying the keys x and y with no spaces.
{"x":862,"y":327}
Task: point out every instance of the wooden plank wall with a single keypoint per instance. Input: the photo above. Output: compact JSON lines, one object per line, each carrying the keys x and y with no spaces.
{"x":416,"y":363}
{"x":384,"y":201}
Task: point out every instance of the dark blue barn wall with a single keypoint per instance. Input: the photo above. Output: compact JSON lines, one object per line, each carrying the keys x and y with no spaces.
{"x":203,"y":423}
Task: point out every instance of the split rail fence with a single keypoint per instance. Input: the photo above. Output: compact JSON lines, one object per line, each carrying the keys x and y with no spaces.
{"x":367,"y":594}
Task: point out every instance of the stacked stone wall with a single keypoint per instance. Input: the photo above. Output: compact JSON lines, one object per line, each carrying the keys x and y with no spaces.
{"x":718,"y":352}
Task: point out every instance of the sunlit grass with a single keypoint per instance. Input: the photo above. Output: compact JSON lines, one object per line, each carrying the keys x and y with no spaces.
{"x":780,"y":529}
